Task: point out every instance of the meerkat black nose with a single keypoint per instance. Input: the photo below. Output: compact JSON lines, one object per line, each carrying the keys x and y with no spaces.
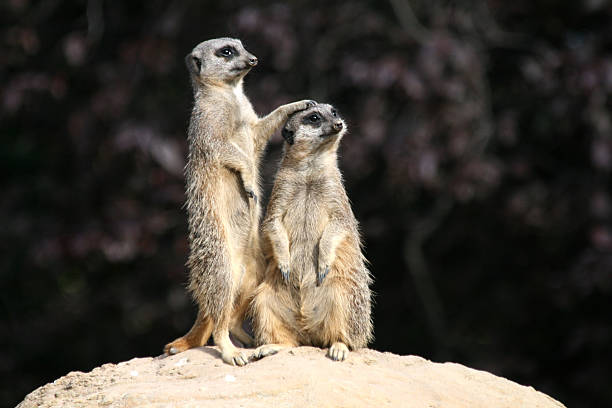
{"x":338,"y":126}
{"x":253,"y":61}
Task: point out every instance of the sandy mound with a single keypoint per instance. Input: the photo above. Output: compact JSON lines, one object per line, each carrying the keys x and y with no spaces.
{"x":300,"y":377}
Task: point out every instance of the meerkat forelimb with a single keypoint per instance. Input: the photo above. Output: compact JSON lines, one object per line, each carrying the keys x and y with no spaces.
{"x":280,"y":246}
{"x":332,"y":236}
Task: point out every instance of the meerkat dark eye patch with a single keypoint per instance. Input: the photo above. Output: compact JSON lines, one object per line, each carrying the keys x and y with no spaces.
{"x":334,"y":113}
{"x":314,"y":119}
{"x":227,"y":52}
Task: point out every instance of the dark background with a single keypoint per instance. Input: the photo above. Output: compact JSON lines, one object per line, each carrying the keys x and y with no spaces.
{"x":478,"y":162}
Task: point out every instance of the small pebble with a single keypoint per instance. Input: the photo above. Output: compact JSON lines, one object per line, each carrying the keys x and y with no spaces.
{"x":181,"y":362}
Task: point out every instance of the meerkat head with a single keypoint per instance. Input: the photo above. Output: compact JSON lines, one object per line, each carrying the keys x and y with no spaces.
{"x":313,"y":129}
{"x":221,"y":60}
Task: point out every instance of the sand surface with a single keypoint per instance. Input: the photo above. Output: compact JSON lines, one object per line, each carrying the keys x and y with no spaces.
{"x":299,"y":377}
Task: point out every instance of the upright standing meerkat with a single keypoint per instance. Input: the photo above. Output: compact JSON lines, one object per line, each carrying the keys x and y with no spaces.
{"x":315,"y":289}
{"x":226,"y":142}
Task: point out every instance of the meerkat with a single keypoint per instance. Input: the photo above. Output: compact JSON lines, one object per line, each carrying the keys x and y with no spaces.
{"x":315,"y":290}
{"x":226,"y":141}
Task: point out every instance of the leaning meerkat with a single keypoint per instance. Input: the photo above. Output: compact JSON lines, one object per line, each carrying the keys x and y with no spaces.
{"x":315,"y":289}
{"x":226,"y":141}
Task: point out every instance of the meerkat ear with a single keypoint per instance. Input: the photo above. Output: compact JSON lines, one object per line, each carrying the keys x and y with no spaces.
{"x":288,"y":135}
{"x":194,"y":64}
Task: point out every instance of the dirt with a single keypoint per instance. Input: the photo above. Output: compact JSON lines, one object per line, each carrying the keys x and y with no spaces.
{"x":299,"y":377}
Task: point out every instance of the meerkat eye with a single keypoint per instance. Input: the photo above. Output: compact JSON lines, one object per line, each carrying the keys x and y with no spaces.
{"x":314,"y":118}
{"x":334,"y":113}
{"x":226,"y":52}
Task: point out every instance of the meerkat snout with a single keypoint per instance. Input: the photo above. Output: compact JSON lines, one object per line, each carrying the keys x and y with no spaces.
{"x":338,"y":126}
{"x":253,"y":61}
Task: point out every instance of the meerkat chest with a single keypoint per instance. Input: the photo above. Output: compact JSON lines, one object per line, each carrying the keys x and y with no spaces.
{"x":243,"y":141}
{"x":244,"y":119}
{"x":244,"y":109}
{"x":306,"y":214}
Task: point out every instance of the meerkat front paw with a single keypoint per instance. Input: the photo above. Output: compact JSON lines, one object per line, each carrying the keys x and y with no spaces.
{"x":302,"y":105}
{"x":284,"y":270}
{"x":338,"y":351}
{"x":308,"y":103}
{"x":322,"y":273}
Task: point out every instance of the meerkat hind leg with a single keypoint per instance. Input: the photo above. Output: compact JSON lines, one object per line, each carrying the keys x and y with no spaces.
{"x":241,"y":334}
{"x":229,"y":353}
{"x":273,"y":315}
{"x":197,"y":336}
{"x":325,"y":317}
{"x":238,"y":317}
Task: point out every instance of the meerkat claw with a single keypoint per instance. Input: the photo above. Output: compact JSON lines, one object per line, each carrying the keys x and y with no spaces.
{"x":338,"y":352}
{"x":265,"y":351}
{"x":240,"y":360}
{"x":322,"y":275}
{"x":251,"y":194}
{"x":310,"y":104}
{"x":284,"y":270}
{"x":172,"y":351}
{"x":235,"y":359}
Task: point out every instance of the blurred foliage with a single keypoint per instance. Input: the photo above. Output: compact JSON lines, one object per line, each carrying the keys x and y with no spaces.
{"x":478,"y":163}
